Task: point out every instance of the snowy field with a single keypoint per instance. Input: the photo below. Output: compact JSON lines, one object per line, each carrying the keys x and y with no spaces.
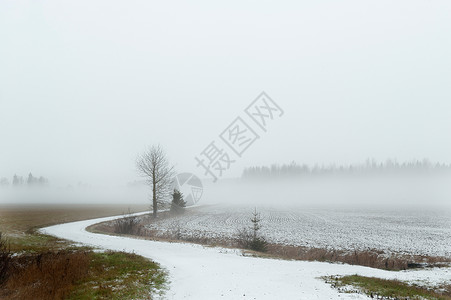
{"x":197,"y":272}
{"x":411,"y":232}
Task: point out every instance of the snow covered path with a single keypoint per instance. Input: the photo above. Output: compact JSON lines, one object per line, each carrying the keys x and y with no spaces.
{"x":198,"y":272}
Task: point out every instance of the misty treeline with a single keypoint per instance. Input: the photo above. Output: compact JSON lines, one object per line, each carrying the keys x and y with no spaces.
{"x":370,"y":166}
{"x":18,"y":181}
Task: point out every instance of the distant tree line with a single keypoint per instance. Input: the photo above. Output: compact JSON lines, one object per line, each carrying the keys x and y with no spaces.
{"x":370,"y":166}
{"x":20,"y":181}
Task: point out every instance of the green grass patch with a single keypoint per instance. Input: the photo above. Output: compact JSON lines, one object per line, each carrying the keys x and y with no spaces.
{"x":388,"y":289}
{"x":36,"y":243}
{"x":119,"y":275}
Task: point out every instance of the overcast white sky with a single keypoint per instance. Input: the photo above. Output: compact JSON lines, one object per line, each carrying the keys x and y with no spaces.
{"x":86,"y":85}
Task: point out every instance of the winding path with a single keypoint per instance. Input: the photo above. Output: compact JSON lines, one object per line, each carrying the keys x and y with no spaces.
{"x":198,"y":272}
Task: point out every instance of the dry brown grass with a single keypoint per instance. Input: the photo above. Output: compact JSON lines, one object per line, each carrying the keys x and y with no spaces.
{"x":368,"y":258}
{"x":49,"y":275}
{"x":446,"y":290}
{"x":5,"y":259}
{"x":19,"y":219}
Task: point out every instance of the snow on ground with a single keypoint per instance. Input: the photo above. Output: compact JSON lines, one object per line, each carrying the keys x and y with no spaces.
{"x":198,"y":272}
{"x":410,"y":232}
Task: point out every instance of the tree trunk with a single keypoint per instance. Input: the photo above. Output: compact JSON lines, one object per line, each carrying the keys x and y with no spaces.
{"x":154,"y":195}
{"x":154,"y":201}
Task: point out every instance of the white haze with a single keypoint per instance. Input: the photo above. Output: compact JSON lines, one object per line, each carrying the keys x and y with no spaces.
{"x":391,"y":192}
{"x":408,"y":192}
{"x":87,"y":85}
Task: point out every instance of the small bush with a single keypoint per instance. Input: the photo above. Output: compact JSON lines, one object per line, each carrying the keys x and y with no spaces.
{"x":250,"y":238}
{"x":246,"y":240}
{"x":127,"y":225}
{"x":259,"y":244}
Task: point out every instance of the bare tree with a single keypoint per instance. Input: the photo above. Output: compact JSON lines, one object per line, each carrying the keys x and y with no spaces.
{"x":154,"y":165}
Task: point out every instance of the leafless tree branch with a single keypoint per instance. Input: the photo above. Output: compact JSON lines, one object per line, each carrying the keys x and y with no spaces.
{"x":154,"y":166}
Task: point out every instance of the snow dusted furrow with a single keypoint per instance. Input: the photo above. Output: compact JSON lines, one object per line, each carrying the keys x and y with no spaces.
{"x":424,"y":233}
{"x":197,"y":272}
